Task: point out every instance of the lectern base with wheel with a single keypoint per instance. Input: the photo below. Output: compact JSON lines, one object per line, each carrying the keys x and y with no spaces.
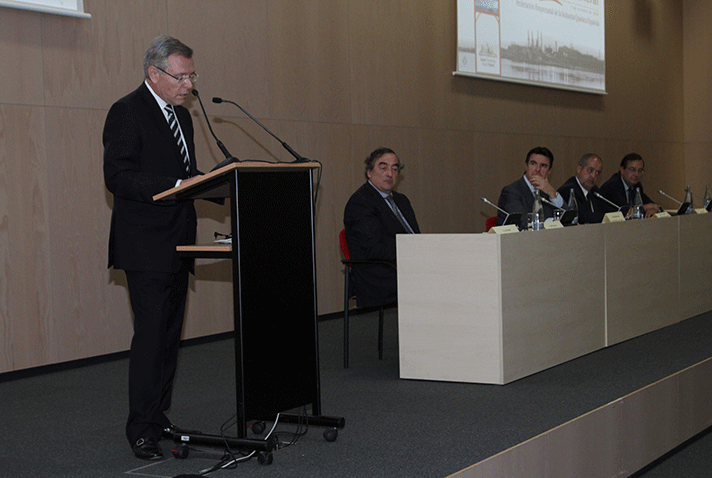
{"x":274,"y":289}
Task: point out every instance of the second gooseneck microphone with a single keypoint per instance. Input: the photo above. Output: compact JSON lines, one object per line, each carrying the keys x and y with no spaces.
{"x":229,"y":158}
{"x":299,"y":158}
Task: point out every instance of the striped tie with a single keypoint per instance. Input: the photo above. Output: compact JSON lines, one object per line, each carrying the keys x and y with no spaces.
{"x":173,"y":123}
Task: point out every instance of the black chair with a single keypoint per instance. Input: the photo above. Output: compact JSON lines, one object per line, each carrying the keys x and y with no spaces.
{"x":349,"y":293}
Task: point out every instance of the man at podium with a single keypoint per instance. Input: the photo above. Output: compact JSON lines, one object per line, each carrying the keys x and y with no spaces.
{"x":373,"y":216}
{"x":148,"y":148}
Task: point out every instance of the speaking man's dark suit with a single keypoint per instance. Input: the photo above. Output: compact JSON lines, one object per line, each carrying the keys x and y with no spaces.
{"x":614,"y":191}
{"x":518,"y":198}
{"x":141,"y":159}
{"x":591,"y":209}
{"x":371,"y":228}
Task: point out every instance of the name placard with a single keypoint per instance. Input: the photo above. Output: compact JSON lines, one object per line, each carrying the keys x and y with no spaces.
{"x":553,"y":225}
{"x":508,"y":229}
{"x":700,"y":210}
{"x":661,"y":214}
{"x":613,"y":217}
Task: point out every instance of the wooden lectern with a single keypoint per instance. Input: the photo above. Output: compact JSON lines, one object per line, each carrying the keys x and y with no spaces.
{"x":274,"y":286}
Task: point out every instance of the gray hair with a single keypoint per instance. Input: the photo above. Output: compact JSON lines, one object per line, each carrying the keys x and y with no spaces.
{"x":160,"y":49}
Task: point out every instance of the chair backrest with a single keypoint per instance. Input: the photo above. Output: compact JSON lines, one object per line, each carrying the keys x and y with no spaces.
{"x":491,"y":222}
{"x":344,"y":244}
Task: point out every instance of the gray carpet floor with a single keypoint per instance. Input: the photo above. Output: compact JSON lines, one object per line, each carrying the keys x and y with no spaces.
{"x":70,"y":423}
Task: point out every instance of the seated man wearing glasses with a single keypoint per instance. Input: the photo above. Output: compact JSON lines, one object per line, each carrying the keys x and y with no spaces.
{"x":620,"y":188}
{"x":373,"y":216}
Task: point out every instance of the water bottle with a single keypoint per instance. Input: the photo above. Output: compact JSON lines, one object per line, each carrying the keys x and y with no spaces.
{"x":688,"y":199}
{"x":571,"y":205}
{"x":638,"y":210}
{"x":707,"y":199}
{"x":537,"y":212}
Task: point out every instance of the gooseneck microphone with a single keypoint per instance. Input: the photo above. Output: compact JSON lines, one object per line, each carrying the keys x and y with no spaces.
{"x":229,"y":158}
{"x":297,"y":156}
{"x":599,"y":196}
{"x":494,"y":206}
{"x":669,"y":197}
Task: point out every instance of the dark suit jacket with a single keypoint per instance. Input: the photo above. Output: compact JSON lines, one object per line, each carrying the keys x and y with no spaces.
{"x":141,"y":159}
{"x":517,"y":198}
{"x":614,"y":190}
{"x":371,"y":228}
{"x":591,"y":209}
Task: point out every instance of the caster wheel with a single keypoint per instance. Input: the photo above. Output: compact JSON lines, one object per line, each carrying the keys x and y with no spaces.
{"x":265,"y":458}
{"x":331,"y":434}
{"x":182,"y":452}
{"x":258,"y":427}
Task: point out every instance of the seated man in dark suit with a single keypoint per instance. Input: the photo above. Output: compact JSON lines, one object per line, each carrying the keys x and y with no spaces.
{"x":590,"y":208}
{"x":373,"y":216}
{"x":620,"y":188}
{"x":518,"y":197}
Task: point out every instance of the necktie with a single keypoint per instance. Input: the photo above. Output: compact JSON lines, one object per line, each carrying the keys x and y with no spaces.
{"x":398,"y":214}
{"x":589,"y":200}
{"x":173,"y":123}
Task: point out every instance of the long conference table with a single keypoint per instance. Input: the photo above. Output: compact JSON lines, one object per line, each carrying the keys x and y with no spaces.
{"x":493,"y":308}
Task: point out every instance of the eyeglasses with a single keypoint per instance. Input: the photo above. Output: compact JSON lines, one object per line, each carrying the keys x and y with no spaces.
{"x":193,"y":77}
{"x":635,"y":170}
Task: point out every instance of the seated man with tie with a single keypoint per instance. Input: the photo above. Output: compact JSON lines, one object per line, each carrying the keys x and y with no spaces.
{"x":590,"y":208}
{"x":373,"y":216}
{"x":518,"y":197}
{"x":620,"y":188}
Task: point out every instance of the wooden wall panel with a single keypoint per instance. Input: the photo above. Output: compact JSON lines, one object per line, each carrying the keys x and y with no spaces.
{"x":21,"y":57}
{"x":643,"y":71}
{"x":697,"y":36}
{"x":91,"y":63}
{"x":25,"y":236}
{"x":230,"y":41}
{"x":308,"y":60}
{"x":697,"y":71}
{"x":444,"y":158}
{"x":83,"y":319}
{"x":400,"y":67}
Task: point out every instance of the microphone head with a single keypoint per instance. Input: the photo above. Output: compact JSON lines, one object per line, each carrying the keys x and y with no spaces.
{"x":194,"y":91}
{"x":217,"y":100}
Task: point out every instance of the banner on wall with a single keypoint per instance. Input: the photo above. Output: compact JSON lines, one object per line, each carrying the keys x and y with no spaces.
{"x":552,"y":43}
{"x":74,"y":8}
